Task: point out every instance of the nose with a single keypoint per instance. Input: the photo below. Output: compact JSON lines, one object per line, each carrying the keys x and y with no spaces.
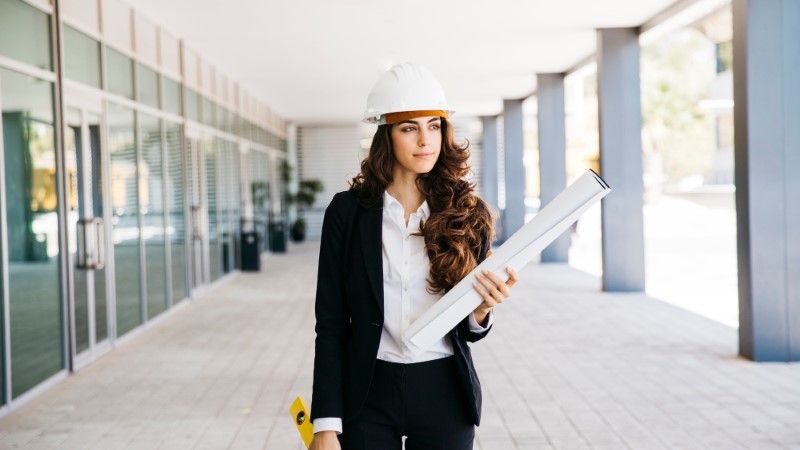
{"x":423,"y":138}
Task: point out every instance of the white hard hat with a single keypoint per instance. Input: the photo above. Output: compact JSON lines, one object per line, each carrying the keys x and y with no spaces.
{"x":405,"y":87}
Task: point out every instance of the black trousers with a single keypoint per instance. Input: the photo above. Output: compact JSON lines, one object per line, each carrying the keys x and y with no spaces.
{"x":422,"y":401}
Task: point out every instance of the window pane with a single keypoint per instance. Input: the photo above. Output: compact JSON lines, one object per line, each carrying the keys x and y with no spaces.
{"x":192,"y":105}
{"x":172,"y":96}
{"x":177,"y":225}
{"x":209,"y":113}
{"x":259,"y":191}
{"x":32,"y":226}
{"x":148,"y":86}
{"x":124,"y":201}
{"x":25,"y":34}
{"x":120,"y":73}
{"x":82,"y":57}
{"x":224,"y":205}
{"x":74,"y":139}
{"x":214,"y":243}
{"x":151,"y":204}
{"x":234,"y":213}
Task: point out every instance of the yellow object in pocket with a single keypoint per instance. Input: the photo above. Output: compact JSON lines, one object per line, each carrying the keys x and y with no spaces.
{"x":301,"y":414}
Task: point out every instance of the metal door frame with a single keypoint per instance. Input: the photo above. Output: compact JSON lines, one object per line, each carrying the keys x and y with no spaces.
{"x":91,"y":103}
{"x":199,"y":249}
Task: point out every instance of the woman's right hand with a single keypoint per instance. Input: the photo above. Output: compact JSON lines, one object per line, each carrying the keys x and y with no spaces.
{"x":325,"y":440}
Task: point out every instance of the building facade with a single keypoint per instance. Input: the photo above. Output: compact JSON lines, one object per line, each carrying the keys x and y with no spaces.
{"x":130,"y":167}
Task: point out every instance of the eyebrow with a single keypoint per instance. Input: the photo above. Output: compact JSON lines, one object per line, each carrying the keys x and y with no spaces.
{"x":414,"y":122}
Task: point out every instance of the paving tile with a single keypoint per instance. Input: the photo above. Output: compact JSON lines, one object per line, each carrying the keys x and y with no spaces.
{"x":565,"y":367}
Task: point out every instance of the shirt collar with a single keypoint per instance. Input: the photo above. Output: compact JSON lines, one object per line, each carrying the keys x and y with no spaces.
{"x":390,"y":202}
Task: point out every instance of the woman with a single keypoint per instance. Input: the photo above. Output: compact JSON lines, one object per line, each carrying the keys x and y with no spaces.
{"x":407,"y":230}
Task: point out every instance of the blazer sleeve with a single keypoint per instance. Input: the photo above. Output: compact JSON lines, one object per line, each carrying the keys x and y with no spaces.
{"x":331,"y":314}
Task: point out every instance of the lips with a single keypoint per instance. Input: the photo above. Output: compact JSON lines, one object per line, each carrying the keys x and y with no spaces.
{"x":422,"y":155}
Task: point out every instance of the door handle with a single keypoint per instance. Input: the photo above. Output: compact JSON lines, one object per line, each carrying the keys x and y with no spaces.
{"x":196,"y":211}
{"x":91,"y":253}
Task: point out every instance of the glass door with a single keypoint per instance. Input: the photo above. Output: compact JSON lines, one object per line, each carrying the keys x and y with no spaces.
{"x":199,"y":268}
{"x":88,"y":246}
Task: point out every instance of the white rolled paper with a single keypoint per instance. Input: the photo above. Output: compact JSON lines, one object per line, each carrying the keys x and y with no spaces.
{"x":520,"y":249}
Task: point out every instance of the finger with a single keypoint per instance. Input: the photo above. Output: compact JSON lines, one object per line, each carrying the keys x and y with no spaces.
{"x":512,"y":276}
{"x":492,"y":289}
{"x":487,"y":299}
{"x":500,"y":285}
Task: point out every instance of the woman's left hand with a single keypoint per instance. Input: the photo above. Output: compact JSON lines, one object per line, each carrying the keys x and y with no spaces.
{"x":493,"y":290}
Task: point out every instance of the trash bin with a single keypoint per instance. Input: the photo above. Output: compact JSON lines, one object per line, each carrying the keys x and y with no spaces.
{"x":251,"y":251}
{"x":277,"y":236}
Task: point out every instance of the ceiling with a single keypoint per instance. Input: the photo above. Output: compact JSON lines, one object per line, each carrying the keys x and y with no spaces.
{"x":314,"y":61}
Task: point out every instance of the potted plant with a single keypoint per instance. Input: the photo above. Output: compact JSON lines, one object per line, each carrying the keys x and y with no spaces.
{"x":304,"y":198}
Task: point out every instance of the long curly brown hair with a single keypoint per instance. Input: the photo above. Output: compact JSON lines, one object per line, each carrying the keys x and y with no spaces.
{"x":460,"y":222}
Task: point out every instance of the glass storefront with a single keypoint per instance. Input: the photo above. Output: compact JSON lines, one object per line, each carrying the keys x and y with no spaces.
{"x":212,"y":198}
{"x":124,"y":221}
{"x":147,"y":213}
{"x":31,"y":208}
{"x":176,"y":226}
{"x":151,"y":206}
{"x":260,"y":194}
{"x":84,"y":205}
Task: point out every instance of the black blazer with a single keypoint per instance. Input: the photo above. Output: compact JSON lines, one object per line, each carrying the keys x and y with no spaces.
{"x":349,"y":312}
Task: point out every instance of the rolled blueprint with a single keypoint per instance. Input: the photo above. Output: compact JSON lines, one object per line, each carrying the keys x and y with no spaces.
{"x":520,"y":249}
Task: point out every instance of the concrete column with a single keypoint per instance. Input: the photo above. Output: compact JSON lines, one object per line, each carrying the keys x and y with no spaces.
{"x":552,"y":153}
{"x":514,"y":214}
{"x":489,"y":163}
{"x":621,"y":159}
{"x":766,"y":38}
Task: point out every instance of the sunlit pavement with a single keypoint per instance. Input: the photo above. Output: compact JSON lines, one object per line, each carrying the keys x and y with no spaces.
{"x":565,"y":366}
{"x":690,"y":254}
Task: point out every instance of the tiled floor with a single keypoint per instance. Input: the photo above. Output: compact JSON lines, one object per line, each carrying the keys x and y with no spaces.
{"x":564,"y":367}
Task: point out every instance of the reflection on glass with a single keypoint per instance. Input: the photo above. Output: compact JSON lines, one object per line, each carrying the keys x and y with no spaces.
{"x":233,"y":208}
{"x":95,"y":188}
{"x":176,"y":228}
{"x":84,"y":197}
{"x":151,"y":204}
{"x":223,"y":205}
{"x":171,"y":101}
{"x":214,"y":242}
{"x":25,"y":34}
{"x":124,"y":202}
{"x":259,"y":190}
{"x":148,"y":85}
{"x":76,"y":203}
{"x":81,"y":57}
{"x":32,"y":227}
{"x":120,"y":73}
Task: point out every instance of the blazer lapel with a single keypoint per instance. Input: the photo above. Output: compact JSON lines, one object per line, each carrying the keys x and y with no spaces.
{"x":370,"y":225}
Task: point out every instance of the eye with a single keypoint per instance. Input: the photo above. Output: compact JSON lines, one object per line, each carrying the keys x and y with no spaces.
{"x":407,"y":129}
{"x":435,"y":126}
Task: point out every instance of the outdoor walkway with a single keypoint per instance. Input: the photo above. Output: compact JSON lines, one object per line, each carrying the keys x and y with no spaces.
{"x":565,"y":366}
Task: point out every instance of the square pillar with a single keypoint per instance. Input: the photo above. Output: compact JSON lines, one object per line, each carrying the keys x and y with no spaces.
{"x":514,"y":214}
{"x":489,"y":163}
{"x":552,"y":153}
{"x":620,"y":114}
{"x":766,"y":42}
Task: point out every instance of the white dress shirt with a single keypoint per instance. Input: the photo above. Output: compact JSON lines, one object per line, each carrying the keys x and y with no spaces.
{"x":406,"y":268}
